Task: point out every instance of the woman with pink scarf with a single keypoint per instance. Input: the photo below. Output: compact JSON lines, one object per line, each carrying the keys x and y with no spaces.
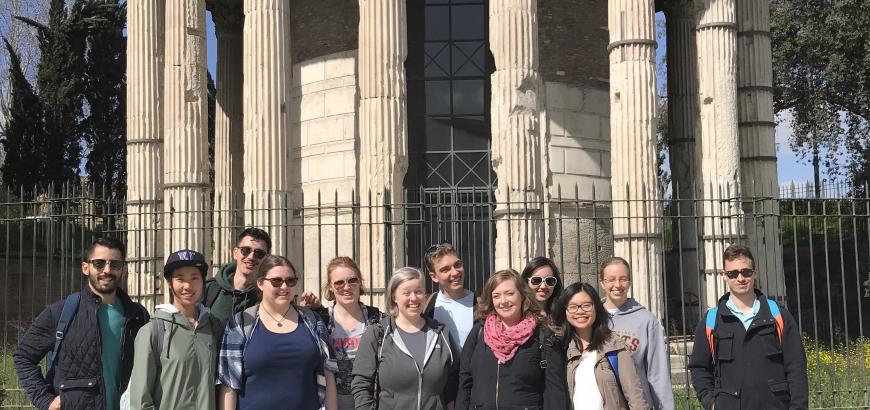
{"x":511,"y":359}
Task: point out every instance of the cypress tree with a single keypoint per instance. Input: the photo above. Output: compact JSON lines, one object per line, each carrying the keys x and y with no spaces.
{"x":22,"y":139}
{"x":105,"y":92}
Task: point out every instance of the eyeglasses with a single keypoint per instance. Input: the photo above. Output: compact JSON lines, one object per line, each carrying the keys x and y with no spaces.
{"x":246,"y":250}
{"x":611,"y":281}
{"x":352,"y":282}
{"x":536,"y":281}
{"x":277,"y":282}
{"x":586,"y":307}
{"x":100,"y":264}
{"x":746,"y":272}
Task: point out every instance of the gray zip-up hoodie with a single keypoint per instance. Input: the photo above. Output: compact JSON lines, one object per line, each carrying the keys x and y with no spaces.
{"x":402,"y":385}
{"x":644,"y":336}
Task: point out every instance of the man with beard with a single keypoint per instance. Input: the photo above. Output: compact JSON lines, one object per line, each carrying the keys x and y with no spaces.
{"x":233,"y":289}
{"x":88,"y":338}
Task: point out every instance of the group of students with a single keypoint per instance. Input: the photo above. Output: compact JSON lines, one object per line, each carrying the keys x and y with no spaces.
{"x":246,"y":340}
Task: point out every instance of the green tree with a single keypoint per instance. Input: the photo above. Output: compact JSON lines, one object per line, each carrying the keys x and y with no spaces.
{"x":821,"y":57}
{"x":105,"y":90}
{"x":21,"y":139}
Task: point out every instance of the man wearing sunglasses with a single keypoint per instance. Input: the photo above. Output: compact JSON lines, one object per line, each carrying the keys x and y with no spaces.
{"x":233,"y":289}
{"x":748,"y":352}
{"x":452,"y":305}
{"x":87,"y":339}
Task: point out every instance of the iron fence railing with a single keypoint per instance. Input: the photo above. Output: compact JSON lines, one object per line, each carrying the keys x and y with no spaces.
{"x":813,"y":255}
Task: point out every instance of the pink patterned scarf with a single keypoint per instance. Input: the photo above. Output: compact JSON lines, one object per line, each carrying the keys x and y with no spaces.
{"x":504,"y":342}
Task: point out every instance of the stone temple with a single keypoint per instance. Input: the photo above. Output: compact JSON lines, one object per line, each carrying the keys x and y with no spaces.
{"x":321,"y":102}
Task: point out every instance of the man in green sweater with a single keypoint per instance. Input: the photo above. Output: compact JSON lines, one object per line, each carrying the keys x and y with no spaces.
{"x":233,"y":290}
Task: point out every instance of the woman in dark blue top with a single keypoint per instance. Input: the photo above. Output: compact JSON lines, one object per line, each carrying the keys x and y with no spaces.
{"x":275,"y":355}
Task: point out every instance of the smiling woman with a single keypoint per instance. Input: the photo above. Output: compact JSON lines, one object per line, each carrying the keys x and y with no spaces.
{"x":511,"y":356}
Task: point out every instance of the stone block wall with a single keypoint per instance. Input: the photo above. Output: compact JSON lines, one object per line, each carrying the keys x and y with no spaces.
{"x":323,"y":114}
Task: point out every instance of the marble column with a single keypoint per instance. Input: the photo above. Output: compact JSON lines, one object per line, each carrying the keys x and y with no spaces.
{"x":717,"y":143}
{"x":757,"y":145}
{"x":145,"y":41}
{"x":185,"y":151}
{"x":683,"y":115}
{"x":634,"y":178}
{"x":228,"y":147}
{"x":516,"y":132}
{"x":383,"y":133}
{"x":266,"y":91}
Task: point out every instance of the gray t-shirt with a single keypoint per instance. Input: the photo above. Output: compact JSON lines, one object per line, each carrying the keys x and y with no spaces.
{"x":416,"y":344}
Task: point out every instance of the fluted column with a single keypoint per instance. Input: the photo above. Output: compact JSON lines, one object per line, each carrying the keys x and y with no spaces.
{"x":717,"y":141}
{"x":383,"y":132}
{"x":682,"y":118}
{"x":145,"y":41}
{"x":185,"y":175}
{"x":266,"y":90}
{"x":228,"y":147}
{"x":757,"y":143}
{"x":516,"y":132}
{"x":635,"y":189}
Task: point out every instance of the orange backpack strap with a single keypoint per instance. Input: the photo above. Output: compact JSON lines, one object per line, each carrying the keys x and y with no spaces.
{"x":710,"y":327}
{"x":777,"y":317}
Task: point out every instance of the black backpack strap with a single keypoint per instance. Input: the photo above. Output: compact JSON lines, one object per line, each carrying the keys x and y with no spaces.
{"x":212,"y":292}
{"x":70,"y":307}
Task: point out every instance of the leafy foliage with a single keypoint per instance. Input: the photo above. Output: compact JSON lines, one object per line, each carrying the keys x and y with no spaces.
{"x":21,"y":138}
{"x":821,"y":57}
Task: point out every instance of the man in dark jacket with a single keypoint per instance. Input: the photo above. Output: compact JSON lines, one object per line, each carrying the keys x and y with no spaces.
{"x":233,"y":290}
{"x":95,"y":359}
{"x":758,"y":359}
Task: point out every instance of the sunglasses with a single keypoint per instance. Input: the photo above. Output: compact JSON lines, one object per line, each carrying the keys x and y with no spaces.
{"x":746,"y":272}
{"x":434,"y":247}
{"x":536,"y":281}
{"x":246,"y":250}
{"x":100,"y":264}
{"x":277,"y":282}
{"x":586,"y":307}
{"x":352,"y":282}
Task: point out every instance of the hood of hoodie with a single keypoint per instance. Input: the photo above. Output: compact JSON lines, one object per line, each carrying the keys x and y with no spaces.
{"x":630,"y":306}
{"x":171,"y":314}
{"x":224,"y":278}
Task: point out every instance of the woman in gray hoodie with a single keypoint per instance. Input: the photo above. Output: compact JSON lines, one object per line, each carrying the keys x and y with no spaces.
{"x":640,"y":330}
{"x":405,"y":361}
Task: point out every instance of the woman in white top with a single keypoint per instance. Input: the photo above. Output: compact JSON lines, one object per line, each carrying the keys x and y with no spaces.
{"x":600,"y":371}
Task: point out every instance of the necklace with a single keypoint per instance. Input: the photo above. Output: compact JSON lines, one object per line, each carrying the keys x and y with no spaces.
{"x":283,"y":317}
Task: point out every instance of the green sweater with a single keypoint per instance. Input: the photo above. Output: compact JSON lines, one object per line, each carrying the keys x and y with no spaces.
{"x":182,"y":375}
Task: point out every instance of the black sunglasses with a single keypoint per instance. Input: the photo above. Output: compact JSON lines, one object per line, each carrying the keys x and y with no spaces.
{"x":276,"y":282}
{"x":100,"y":264}
{"x":352,"y":282}
{"x":258,"y":253}
{"x":434,"y":247}
{"x":536,"y":281}
{"x":746,"y":272}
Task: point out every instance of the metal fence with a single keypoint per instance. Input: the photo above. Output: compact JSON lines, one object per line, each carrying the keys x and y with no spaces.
{"x":817,"y":263}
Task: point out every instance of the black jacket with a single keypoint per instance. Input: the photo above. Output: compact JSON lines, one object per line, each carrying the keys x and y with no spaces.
{"x":533,"y":379}
{"x":752,"y":370}
{"x":77,"y":374}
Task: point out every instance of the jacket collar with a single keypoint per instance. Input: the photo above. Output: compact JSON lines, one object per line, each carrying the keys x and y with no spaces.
{"x":130,"y":308}
{"x":612,"y":343}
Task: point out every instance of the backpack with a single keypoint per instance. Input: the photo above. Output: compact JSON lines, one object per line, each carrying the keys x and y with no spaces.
{"x":710,"y":324}
{"x":70,"y":307}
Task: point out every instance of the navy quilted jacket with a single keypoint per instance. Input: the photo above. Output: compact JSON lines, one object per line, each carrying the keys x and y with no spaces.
{"x":77,"y":374}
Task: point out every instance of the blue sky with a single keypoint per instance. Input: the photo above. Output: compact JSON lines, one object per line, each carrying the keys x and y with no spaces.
{"x":790,"y":167}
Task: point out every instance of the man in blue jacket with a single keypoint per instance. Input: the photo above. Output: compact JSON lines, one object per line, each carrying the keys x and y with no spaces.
{"x":95,"y":348}
{"x":748,"y":351}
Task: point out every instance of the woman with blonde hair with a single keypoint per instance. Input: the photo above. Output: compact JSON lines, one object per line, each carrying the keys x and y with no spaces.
{"x":405,"y":361}
{"x":511,"y":358}
{"x":346,"y":320}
